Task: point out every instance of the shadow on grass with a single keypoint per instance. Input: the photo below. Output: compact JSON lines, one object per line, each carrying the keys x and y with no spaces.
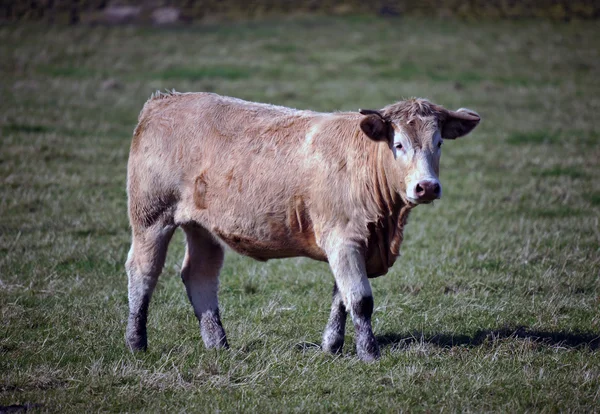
{"x":570,"y":340}
{"x":18,"y":408}
{"x":444,"y":340}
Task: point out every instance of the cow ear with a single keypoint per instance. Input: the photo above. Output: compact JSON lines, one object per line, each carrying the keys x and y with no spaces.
{"x":370,"y":112}
{"x":459,"y":123}
{"x":374,"y":126}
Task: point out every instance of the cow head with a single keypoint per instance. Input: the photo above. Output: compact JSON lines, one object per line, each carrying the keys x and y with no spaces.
{"x":415,"y":130}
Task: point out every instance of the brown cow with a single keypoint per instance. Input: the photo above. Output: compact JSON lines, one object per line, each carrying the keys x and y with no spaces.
{"x":274,"y":182}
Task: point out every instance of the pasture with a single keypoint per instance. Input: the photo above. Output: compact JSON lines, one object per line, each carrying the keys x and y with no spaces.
{"x":493,"y":305}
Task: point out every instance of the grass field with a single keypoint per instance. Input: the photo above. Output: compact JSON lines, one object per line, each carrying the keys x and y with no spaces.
{"x":494,"y":304}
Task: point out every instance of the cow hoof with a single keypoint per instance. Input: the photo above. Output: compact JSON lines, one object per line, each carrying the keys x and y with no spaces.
{"x":334,"y":348}
{"x":137,"y":344}
{"x":333,"y":344}
{"x":220,"y":344}
{"x":211,"y":330}
{"x":215,"y":340}
{"x":369,"y":357}
{"x":368,"y":351}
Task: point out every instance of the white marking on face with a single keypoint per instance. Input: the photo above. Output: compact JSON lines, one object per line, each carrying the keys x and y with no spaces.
{"x":402,"y":147}
{"x":418,"y":162}
{"x":421,"y":172}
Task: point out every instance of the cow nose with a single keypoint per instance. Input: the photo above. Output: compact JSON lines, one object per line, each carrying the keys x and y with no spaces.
{"x":428,"y":190}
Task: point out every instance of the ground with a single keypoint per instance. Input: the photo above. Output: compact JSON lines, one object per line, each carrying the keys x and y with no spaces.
{"x":494,"y":304}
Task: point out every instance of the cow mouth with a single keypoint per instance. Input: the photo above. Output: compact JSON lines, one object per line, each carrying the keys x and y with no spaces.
{"x":411,"y":202}
{"x":414,"y":202}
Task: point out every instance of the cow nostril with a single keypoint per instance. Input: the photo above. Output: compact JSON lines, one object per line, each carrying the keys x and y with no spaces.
{"x":419,"y":190}
{"x":436,"y":189}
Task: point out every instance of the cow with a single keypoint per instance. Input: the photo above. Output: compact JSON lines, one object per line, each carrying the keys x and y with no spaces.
{"x":275,"y":182}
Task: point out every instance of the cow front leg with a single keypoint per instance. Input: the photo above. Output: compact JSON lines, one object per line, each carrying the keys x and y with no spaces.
{"x":348,"y":265}
{"x":200,"y":274}
{"x":333,"y":337}
{"x":366,"y":344}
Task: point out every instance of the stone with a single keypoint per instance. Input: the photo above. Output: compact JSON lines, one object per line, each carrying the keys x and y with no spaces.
{"x":166,"y":15}
{"x":121,"y":14}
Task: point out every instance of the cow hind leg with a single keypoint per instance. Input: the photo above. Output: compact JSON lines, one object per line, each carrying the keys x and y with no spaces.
{"x":333,"y":337}
{"x":200,"y":274}
{"x":144,"y":263}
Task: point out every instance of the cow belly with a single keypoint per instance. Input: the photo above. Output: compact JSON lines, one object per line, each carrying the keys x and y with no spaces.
{"x":254,"y":219}
{"x":285,"y":232}
{"x":273,"y":246}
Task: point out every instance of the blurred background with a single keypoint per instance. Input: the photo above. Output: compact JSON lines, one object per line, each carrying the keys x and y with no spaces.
{"x":494,"y":302}
{"x":172,"y":11}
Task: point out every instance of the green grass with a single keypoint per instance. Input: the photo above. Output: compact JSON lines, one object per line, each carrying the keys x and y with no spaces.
{"x":194,"y":74}
{"x":567,"y":171}
{"x":494,"y":304}
{"x":535,"y":137}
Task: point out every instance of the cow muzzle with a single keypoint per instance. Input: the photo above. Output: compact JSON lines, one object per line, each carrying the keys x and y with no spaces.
{"x":424,"y":191}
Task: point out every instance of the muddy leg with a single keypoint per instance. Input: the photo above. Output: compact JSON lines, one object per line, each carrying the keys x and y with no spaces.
{"x":348,"y":265}
{"x":200,"y":274}
{"x":144,"y":264}
{"x":333,"y":337}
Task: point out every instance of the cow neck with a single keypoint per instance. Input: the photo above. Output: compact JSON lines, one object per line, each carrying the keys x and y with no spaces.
{"x":392,"y":212}
{"x":386,"y":191}
{"x":402,"y":209}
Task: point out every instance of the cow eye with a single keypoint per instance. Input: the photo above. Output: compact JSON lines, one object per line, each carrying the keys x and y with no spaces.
{"x":398,"y":145}
{"x":440,"y":144}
